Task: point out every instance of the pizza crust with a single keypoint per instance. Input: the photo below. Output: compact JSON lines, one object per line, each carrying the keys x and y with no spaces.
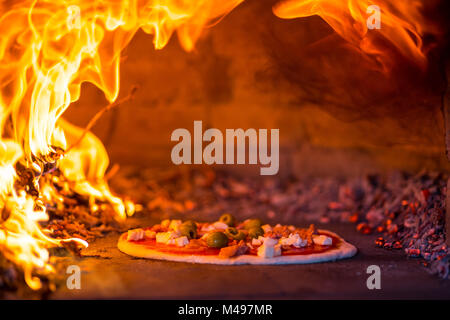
{"x":342,"y":251}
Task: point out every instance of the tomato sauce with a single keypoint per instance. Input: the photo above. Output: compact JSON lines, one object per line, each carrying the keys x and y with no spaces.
{"x":293,"y":251}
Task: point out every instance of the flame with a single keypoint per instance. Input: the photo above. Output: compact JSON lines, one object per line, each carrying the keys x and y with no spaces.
{"x":85,"y":166}
{"x":48,"y":48}
{"x":21,"y":239}
{"x":402,"y":25}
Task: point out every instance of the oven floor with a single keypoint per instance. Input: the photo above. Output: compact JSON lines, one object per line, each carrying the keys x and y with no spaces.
{"x":109,"y":274}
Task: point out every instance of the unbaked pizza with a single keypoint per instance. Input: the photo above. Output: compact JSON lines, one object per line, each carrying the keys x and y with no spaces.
{"x":228,"y":242}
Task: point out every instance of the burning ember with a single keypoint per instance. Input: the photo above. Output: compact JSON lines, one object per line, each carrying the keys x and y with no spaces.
{"x":408,"y":211}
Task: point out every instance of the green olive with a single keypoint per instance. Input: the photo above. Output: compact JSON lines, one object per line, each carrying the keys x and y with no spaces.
{"x":190,"y":223}
{"x":217,"y":240}
{"x":252,"y":223}
{"x":188,"y":230}
{"x":228,"y":219}
{"x":235,"y":234}
{"x":255,"y":232}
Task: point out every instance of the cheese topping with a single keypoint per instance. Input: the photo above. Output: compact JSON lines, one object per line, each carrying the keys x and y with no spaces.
{"x":167,"y":237}
{"x":265,"y":251}
{"x":182,"y":241}
{"x":294,"y":240}
{"x":136,"y":234}
{"x":174,"y":224}
{"x":269,"y":249}
{"x":256,"y":242}
{"x":269,"y":241}
{"x":322,"y":240}
{"x":220,"y":226}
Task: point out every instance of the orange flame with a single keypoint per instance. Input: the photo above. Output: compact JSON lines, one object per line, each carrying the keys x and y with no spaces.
{"x":401,"y":24}
{"x":48,"y":48}
{"x":21,"y":239}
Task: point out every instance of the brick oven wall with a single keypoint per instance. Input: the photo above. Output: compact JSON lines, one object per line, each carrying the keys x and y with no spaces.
{"x":253,"y":70}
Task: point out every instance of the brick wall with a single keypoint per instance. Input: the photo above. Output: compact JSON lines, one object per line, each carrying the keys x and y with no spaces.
{"x":335,"y":112}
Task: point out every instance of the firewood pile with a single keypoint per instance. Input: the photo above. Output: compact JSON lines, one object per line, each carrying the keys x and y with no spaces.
{"x":73,"y":215}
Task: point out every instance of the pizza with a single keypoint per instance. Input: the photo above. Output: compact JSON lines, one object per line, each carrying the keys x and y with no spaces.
{"x":229,"y":242}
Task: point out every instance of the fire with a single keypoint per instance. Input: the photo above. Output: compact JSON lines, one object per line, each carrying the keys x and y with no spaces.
{"x":48,"y":49}
{"x":21,"y":239}
{"x":402,"y":25}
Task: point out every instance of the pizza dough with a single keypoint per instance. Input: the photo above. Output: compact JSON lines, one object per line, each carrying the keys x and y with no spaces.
{"x":342,"y":250}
